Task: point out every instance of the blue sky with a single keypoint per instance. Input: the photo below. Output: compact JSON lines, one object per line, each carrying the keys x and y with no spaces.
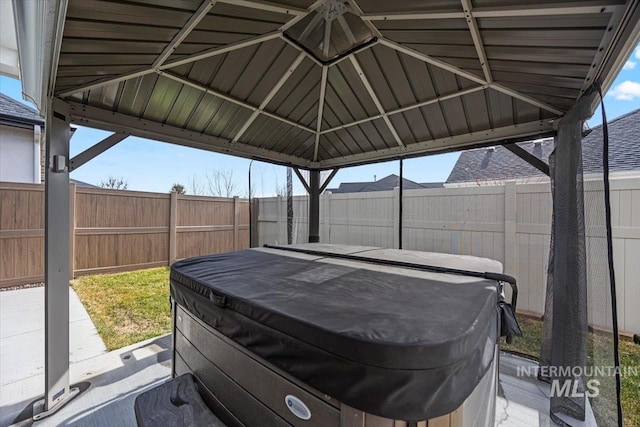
{"x":154,"y":166}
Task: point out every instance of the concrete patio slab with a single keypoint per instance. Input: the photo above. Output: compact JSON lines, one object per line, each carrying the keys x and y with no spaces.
{"x":523,"y":400}
{"x":116,"y":378}
{"x":113,"y":380}
{"x":22,"y":342}
{"x":111,"y":383}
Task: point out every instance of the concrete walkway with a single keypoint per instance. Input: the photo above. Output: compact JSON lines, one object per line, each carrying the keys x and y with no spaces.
{"x":22,"y":343}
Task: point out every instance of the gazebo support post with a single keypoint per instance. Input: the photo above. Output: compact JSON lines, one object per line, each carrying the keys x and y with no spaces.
{"x":314,"y":206}
{"x":57,"y":241}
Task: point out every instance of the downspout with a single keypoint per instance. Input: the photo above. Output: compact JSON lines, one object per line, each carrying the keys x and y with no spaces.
{"x":37,"y":173}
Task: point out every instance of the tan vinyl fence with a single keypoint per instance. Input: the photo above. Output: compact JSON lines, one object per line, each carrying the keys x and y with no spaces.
{"x":116,"y":230}
{"x":509,"y":223}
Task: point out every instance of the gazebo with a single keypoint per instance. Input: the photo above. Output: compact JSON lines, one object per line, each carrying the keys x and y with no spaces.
{"x":315,"y":85}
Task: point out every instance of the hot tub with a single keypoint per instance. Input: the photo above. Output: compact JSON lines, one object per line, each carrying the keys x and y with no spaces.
{"x":333,"y":335}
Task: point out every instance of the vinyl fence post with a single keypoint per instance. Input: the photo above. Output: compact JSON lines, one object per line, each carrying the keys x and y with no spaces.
{"x":396,"y":218}
{"x":510,"y":230}
{"x":279,"y":223}
{"x":510,"y":227}
{"x":173,"y":221}
{"x":255,"y":219}
{"x":72,"y":230}
{"x":236,"y":223}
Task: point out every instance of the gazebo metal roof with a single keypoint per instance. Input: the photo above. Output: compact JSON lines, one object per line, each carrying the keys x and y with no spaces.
{"x":332,"y":83}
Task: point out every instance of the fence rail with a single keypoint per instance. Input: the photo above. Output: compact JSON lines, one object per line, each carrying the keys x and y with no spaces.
{"x":509,"y":223}
{"x":115,"y":230}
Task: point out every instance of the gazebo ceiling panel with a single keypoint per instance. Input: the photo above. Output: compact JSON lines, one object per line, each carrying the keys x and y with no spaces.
{"x":525,"y":113}
{"x":538,"y":79}
{"x":439,"y":37}
{"x":436,"y":75}
{"x":266,"y":132}
{"x":581,"y":20}
{"x":169,"y":4}
{"x":574,"y":38}
{"x":142,"y":31}
{"x":476,"y":111}
{"x":271,"y":61}
{"x":135,"y":12}
{"x":228,"y":23}
{"x":185,"y":105}
{"x":361,"y":139}
{"x":526,"y":4}
{"x":213,"y":112}
{"x":455,"y":116}
{"x":299,"y":4}
{"x":235,"y":19}
{"x":71,"y":46}
{"x":377,"y":6}
{"x":463,"y":57}
{"x":95,"y":70}
{"x":135,"y":95}
{"x":540,"y":54}
{"x":437,"y":123}
{"x":543,"y":68}
{"x":101,"y":60}
{"x":446,"y":39}
{"x":327,"y":150}
{"x":405,"y":128}
{"x":297,"y":100}
{"x":346,"y":96}
{"x":290,"y":139}
{"x":375,"y":132}
{"x":206,"y":39}
{"x":502,"y":108}
{"x":227,"y":120}
{"x":398,"y":79}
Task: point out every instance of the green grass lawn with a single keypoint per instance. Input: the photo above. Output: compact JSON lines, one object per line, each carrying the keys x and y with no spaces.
{"x":130,"y":307}
{"x":127,"y":307}
{"x":599,"y":354}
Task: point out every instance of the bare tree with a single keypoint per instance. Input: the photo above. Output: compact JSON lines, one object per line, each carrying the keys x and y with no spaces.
{"x":195,"y":186}
{"x":251,"y":195}
{"x":114,"y":183}
{"x":280,"y":190}
{"x":220,"y":183}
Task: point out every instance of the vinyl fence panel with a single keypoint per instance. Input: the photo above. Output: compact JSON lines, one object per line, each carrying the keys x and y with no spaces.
{"x":507,"y":222}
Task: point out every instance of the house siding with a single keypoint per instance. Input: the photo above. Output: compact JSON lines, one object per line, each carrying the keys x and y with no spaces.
{"x":17,"y":155}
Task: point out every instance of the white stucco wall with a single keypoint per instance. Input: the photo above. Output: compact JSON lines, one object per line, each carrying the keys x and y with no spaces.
{"x":19,"y":154}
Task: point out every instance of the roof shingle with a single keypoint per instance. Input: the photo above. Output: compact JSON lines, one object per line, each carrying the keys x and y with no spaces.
{"x":384,"y":184}
{"x":498,"y":163}
{"x":16,"y":111}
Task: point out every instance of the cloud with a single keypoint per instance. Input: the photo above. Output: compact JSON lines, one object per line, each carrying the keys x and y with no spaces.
{"x":631,"y":64}
{"x":626,"y":91}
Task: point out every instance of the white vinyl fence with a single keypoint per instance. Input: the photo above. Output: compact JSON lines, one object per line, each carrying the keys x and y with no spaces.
{"x":509,"y":223}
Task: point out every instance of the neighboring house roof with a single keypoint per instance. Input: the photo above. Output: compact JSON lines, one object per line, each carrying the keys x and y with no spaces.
{"x":15,"y":113}
{"x":384,"y":184}
{"x":498,"y":163}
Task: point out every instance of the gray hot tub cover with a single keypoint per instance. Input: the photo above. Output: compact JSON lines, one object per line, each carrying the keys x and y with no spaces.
{"x":392,"y":345}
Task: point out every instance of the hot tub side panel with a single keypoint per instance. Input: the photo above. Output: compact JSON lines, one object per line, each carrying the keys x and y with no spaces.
{"x":245,"y":390}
